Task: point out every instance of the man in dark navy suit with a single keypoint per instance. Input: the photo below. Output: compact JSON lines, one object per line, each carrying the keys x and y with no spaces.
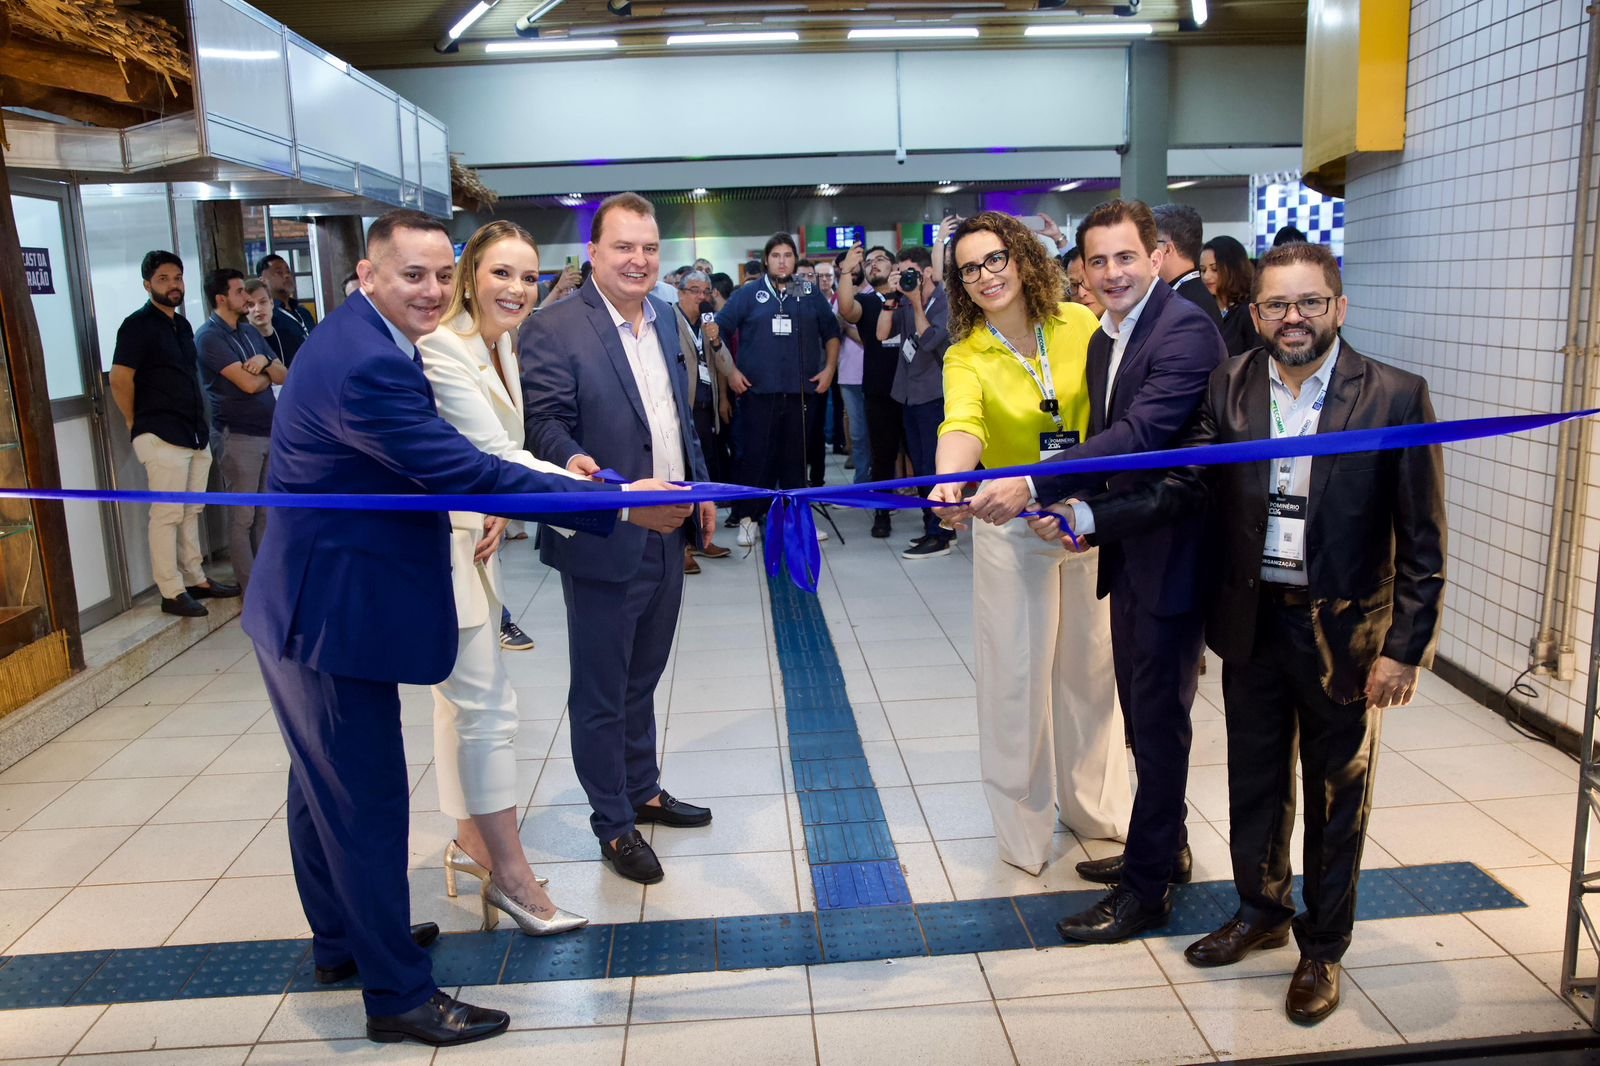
{"x":606,"y":386}
{"x":1147,"y":372}
{"x":346,"y":605}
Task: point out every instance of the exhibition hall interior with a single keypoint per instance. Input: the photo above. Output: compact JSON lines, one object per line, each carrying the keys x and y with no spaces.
{"x":1098,"y":561}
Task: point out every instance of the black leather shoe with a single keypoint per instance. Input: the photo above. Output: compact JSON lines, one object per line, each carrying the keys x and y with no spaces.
{"x":1118,"y":916}
{"x":1236,"y":939}
{"x":441,"y":1021}
{"x":880,"y":524}
{"x":424,"y":935}
{"x":673,"y":812}
{"x":1109,"y":871}
{"x":632,"y":858}
{"x":184,"y":605}
{"x":1313,"y":992}
{"x":215,"y":590}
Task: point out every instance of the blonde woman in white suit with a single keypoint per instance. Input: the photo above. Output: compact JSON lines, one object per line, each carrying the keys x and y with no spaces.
{"x":471,"y":362}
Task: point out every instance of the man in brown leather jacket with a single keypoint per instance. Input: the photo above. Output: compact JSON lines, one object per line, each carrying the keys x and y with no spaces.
{"x":1328,"y":579}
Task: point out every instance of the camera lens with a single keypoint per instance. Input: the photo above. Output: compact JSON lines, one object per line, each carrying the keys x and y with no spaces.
{"x":910,"y":279}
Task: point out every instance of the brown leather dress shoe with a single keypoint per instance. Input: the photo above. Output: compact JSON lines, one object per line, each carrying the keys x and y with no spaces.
{"x":1236,"y":939}
{"x":1313,"y":991}
{"x":712,"y":551}
{"x":689,"y":564}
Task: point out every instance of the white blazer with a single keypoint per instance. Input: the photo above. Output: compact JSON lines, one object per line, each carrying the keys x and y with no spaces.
{"x":471,"y":397}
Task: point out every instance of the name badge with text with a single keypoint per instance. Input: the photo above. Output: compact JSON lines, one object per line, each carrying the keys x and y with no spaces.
{"x":705,"y":373}
{"x":782,"y":325}
{"x":1285,"y":547}
{"x":1054,"y":443}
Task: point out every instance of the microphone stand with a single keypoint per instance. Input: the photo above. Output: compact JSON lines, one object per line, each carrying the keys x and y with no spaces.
{"x":806,"y":392}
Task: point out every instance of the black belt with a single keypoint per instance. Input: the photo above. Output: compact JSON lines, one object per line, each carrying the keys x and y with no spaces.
{"x":1286,"y":595}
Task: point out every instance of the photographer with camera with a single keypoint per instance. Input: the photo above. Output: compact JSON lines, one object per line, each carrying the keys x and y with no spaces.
{"x":863,"y":283}
{"x":917,"y":327}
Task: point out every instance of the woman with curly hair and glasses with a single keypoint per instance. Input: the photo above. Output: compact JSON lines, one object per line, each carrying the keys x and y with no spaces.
{"x":1050,"y":735}
{"x":1225,"y":268}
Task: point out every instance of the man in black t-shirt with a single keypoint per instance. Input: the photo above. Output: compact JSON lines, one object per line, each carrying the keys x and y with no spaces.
{"x":155,"y":381}
{"x":860,"y":307}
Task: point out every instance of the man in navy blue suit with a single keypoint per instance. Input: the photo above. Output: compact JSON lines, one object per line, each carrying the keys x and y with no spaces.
{"x":1147,"y":372}
{"x":346,"y":605}
{"x":606,"y":386}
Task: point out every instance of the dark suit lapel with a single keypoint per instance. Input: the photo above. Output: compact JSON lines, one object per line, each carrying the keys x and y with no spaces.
{"x":1095,"y":375}
{"x":673,"y":354}
{"x":1343,"y":392}
{"x":1142,"y":329}
{"x":600,"y":318}
{"x":1257,"y":414}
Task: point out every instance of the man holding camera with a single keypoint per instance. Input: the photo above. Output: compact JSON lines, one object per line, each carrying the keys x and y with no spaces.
{"x":864,"y":281}
{"x":709,"y":366}
{"x":917,"y":329}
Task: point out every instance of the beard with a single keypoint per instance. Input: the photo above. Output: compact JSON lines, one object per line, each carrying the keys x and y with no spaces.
{"x":172,"y":298}
{"x":1320,"y":343}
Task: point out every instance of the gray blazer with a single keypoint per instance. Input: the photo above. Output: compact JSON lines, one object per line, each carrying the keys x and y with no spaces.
{"x":921,"y":379}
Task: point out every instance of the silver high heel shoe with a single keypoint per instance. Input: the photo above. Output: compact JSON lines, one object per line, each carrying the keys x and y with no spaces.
{"x":496,"y":900}
{"x":458,"y":861}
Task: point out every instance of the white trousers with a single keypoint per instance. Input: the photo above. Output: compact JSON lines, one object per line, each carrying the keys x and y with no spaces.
{"x":475,"y":724}
{"x":1050,"y":731}
{"x":174,"y":527}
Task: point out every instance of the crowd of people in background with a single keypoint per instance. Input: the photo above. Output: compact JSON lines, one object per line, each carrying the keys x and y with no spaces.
{"x":1318,"y":582}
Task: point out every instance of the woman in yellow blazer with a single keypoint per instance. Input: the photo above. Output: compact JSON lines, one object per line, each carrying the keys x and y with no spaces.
{"x":1050,"y":736}
{"x":471,"y":362}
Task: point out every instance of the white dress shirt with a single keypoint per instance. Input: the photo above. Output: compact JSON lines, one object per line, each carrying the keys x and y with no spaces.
{"x":1301,"y":415}
{"x":654,"y":382}
{"x":1120,"y":335}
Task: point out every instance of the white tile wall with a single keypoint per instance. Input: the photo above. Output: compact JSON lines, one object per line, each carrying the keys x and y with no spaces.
{"x":1456,"y":260}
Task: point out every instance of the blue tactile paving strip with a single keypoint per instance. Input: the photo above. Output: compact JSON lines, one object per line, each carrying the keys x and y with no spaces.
{"x":853,"y":859}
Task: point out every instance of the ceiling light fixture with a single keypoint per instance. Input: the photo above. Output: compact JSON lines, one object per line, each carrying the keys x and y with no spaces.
{"x":828,"y":190}
{"x":572,"y":199}
{"x":697,"y":192}
{"x":1068,"y":187}
{"x":747,"y":37}
{"x":1185,"y":184}
{"x":550,"y":44}
{"x":913,"y":33}
{"x":524,"y":26}
{"x":448,"y":43}
{"x":945,"y":188}
{"x":1092,"y":29}
{"x":1198,"y":12}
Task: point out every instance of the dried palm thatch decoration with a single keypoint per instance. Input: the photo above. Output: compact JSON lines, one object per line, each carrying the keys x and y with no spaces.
{"x":467,"y":190}
{"x":109,"y":28}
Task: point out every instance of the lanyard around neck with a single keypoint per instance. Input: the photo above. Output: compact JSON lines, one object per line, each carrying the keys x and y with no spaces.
{"x":1042,"y":378}
{"x":1286,"y":464}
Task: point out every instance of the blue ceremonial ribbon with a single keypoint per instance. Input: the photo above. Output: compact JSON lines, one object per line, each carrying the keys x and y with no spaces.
{"x":790,"y":525}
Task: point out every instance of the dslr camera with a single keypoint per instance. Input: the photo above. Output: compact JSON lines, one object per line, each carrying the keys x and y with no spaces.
{"x":910,"y":279}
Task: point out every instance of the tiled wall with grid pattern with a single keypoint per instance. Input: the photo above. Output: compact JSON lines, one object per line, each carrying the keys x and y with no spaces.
{"x":1456,"y":264}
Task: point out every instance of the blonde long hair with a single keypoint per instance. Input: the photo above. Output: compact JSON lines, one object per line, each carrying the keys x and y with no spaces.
{"x":467,"y":268}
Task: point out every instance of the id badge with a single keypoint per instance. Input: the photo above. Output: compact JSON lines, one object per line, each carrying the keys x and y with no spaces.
{"x":908,"y":349}
{"x":1054,"y":443}
{"x":782,"y":325}
{"x":705,"y":373}
{"x":1285,"y":547}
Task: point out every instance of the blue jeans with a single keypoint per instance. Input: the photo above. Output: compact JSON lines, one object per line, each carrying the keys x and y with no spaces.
{"x":922,"y":440}
{"x":855,"y":406}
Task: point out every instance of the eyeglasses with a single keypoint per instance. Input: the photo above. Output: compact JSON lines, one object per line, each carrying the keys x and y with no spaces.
{"x":879,"y":259}
{"x":697,"y":290}
{"x":1310,"y":307}
{"x":994,"y":262}
{"x":1076,"y":286}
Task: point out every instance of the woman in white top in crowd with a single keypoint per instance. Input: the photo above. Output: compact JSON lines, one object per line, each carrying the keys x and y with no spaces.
{"x":471,"y":362}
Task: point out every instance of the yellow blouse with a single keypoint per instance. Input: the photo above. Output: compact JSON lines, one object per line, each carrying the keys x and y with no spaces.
{"x":989,"y":395}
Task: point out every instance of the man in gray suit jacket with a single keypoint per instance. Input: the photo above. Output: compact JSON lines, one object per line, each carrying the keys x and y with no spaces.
{"x":605,"y":386}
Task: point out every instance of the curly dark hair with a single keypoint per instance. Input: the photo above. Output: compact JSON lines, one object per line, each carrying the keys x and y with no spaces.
{"x":1043,"y":281}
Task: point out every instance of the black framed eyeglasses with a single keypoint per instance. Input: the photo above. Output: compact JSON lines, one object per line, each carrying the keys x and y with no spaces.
{"x":994,"y":262}
{"x":1310,"y":307}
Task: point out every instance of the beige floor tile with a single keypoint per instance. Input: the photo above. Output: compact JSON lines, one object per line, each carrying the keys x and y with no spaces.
{"x":231,"y":688}
{"x":21,"y":907}
{"x":907,"y":824}
{"x":1536,"y":927}
{"x":748,"y":1042}
{"x":56,"y":857}
{"x":1402,"y":783}
{"x":46,"y":1031}
{"x":1245,"y":1019}
{"x":704,"y":886}
{"x":130,"y":801}
{"x":1449,"y":832}
{"x":1486,"y":772}
{"x":924,"y":871}
{"x":883,"y":759}
{"x":1463,"y":999}
{"x":265,"y":854}
{"x":113,"y":916}
{"x":1428,"y":938}
{"x":227,"y":797}
{"x":976,"y":871}
{"x":545,"y":1047}
{"x":18,"y":803}
{"x":171,"y":690}
{"x":556,"y":1004}
{"x":591,"y":889}
{"x":253,"y":753}
{"x":213,"y":719}
{"x":179,"y":1023}
{"x":1544,"y":821}
{"x":923,"y":683}
{"x":962,"y":1034}
{"x":1547,"y":967}
{"x":190,"y":851}
{"x":245,"y":908}
{"x":558,"y":785}
{"x":723,"y":694}
{"x":1428,"y":725}
{"x":706,"y":775}
{"x":1133,"y":1026}
{"x":558,"y":834}
{"x":694,"y":997}
{"x":911,"y":982}
{"x":119,"y":723}
{"x":304,"y":1016}
{"x":941,"y":760}
{"x":1062,"y":969}
{"x":739,"y":824}
{"x":204,"y":659}
{"x":62,"y":760}
{"x":204,"y":1056}
{"x":720,"y":730}
{"x":339,"y":1053}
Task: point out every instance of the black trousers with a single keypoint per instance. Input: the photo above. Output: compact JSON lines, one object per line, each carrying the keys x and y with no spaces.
{"x":816,"y":435}
{"x":771,"y":451}
{"x":713,"y":441}
{"x":886,"y":434}
{"x":1274,"y":703}
{"x":1157,"y":662}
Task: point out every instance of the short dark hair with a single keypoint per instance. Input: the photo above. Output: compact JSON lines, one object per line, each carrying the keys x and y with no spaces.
{"x":777,"y":240}
{"x":348,"y":278}
{"x":1235,"y":275}
{"x":916,"y":253}
{"x":753,"y":268}
{"x":383,"y":227}
{"x":1300,"y":252}
{"x":1288,"y":235}
{"x":154,"y":261}
{"x":684,"y":269}
{"x":723,"y":284}
{"x":255,"y":285}
{"x":630,"y":202}
{"x":812,"y":263}
{"x":269,"y":258}
{"x":218,"y":282}
{"x":1111,"y":212}
{"x":1184,"y":228}
{"x":1069,"y":255}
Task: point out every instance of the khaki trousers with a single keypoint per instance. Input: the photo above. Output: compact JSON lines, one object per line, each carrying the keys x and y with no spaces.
{"x":174,"y":528}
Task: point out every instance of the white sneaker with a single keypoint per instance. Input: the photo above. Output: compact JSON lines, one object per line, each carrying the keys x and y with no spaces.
{"x":822,"y":534}
{"x":747,"y":532}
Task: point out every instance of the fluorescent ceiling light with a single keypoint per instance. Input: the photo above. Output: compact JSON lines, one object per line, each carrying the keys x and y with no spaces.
{"x":1068,"y":187}
{"x":912,"y":33}
{"x":1198,"y":12}
{"x":480,"y":9}
{"x":572,"y":199}
{"x":1092,"y":29}
{"x":827,"y":190}
{"x":244,"y":55}
{"x":537,"y":13}
{"x":748,"y":37}
{"x":1182,"y":184}
{"x":946,"y":188}
{"x":697,"y":192}
{"x":551,"y":44}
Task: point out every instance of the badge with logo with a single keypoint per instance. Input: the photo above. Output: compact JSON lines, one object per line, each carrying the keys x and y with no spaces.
{"x":762,"y":296}
{"x":805,"y":288}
